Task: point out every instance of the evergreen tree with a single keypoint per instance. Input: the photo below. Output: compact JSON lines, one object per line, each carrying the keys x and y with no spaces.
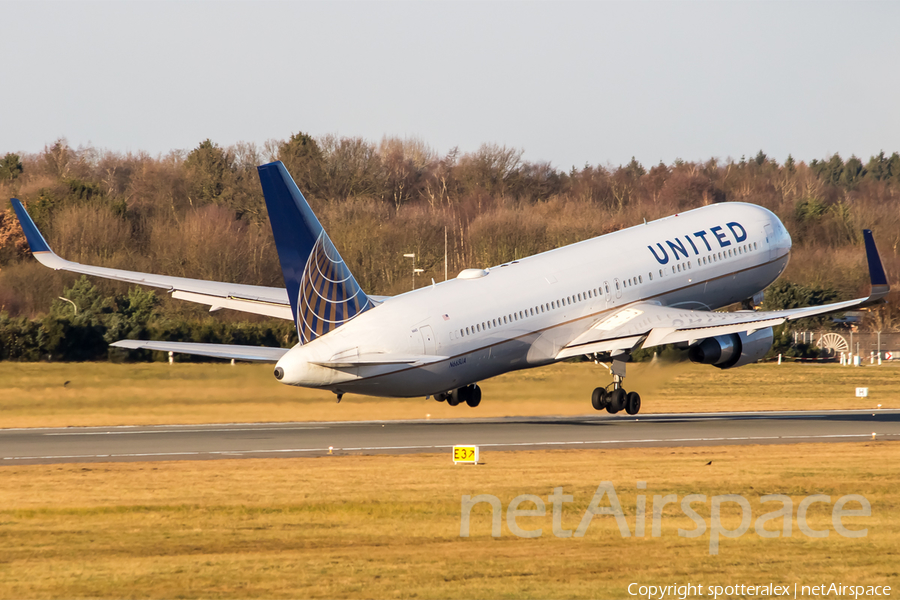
{"x":877,"y":167}
{"x":211,"y":170}
{"x":789,"y":164}
{"x":10,"y":166}
{"x":853,"y":171}
{"x":635,"y":169}
{"x":303,"y":159}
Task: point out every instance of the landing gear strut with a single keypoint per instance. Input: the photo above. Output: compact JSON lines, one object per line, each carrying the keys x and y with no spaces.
{"x":613,"y":397}
{"x":471,"y":395}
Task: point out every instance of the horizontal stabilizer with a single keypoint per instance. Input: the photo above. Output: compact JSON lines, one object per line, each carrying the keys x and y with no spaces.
{"x":254,"y":353}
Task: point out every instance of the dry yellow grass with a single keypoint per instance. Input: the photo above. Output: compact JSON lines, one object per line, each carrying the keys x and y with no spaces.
{"x":33,"y":395}
{"x":377,"y":526}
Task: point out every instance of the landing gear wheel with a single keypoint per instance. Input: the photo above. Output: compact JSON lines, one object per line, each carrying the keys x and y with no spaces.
{"x":599,"y":398}
{"x":632,"y":403}
{"x":473,"y":397}
{"x":454,"y":399}
{"x":616,"y":401}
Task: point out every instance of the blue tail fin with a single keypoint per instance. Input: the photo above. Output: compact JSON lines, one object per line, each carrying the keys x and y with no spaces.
{"x":323,"y":292}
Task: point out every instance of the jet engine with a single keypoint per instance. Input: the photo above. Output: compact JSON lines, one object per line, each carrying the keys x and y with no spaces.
{"x":732,"y":350}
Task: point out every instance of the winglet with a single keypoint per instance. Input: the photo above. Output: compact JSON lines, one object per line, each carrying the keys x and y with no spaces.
{"x":36,"y":241}
{"x":878,"y":279}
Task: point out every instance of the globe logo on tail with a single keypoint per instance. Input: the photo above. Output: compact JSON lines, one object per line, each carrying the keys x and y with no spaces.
{"x":329,"y":295}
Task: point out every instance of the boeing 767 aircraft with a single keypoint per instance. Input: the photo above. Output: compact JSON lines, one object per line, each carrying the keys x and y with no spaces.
{"x":648,"y":285}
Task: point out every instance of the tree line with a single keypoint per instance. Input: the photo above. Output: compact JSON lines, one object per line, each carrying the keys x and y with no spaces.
{"x":201,"y":213}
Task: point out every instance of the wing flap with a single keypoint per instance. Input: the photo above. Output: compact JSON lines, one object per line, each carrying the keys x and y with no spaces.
{"x":669,"y":335}
{"x":259,"y":307}
{"x":600,"y":347}
{"x":251,"y":353}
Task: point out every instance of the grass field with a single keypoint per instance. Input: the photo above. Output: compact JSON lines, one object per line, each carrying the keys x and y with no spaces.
{"x":106,"y":394}
{"x":385,"y":527}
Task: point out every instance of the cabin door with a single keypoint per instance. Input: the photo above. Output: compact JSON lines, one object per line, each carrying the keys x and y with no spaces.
{"x":427,"y":338}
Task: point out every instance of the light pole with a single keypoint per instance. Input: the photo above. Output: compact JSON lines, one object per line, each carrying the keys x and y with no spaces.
{"x":415,"y":271}
{"x":70,"y":302}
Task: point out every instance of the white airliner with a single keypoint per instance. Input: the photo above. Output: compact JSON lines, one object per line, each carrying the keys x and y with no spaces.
{"x":652,"y":284}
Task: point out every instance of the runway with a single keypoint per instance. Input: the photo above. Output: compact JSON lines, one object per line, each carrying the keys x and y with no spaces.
{"x":217,"y":441}
{"x":206,"y":442}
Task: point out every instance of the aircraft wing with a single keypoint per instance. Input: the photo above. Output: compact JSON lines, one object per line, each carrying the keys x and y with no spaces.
{"x":253,"y":353}
{"x":651,"y":325}
{"x":269,"y":301}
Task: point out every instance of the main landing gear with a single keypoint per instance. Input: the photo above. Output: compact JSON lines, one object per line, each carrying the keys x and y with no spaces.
{"x":471,"y":395}
{"x":613,"y":397}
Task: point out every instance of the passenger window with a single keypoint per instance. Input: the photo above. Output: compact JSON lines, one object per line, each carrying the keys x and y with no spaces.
{"x":650,"y":275}
{"x":640,"y":279}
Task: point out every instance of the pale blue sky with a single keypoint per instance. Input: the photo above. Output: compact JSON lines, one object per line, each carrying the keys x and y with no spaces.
{"x":570,"y":83}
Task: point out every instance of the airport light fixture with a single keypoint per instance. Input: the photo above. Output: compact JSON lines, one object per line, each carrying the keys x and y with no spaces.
{"x":415,"y":271}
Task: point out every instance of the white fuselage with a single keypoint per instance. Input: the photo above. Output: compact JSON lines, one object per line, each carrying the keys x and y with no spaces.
{"x":522,"y":314}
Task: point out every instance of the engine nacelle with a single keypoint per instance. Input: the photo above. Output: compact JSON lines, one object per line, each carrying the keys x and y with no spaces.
{"x":732,"y":350}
